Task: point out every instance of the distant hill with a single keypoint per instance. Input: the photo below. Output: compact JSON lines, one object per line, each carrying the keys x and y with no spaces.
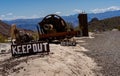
{"x":105,"y":24}
{"x":104,"y":15}
{"x":4,"y":28}
{"x":29,"y":24}
{"x":32,"y":23}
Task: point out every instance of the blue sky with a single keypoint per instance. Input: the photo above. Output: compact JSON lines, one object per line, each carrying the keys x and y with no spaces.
{"x":14,"y":9}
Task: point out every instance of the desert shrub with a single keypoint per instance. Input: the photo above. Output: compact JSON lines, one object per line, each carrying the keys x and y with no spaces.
{"x":70,"y":26}
{"x":118,"y":27}
{"x":77,"y":28}
{"x":2,"y":38}
{"x":35,"y":35}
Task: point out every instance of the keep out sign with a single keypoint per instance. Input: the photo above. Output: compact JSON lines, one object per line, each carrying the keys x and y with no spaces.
{"x":29,"y":48}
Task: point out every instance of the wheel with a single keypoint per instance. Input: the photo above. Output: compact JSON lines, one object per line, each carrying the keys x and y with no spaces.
{"x":52,"y":24}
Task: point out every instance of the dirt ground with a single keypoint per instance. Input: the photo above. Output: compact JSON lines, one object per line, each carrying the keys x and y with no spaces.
{"x":97,"y":55}
{"x":104,"y":49}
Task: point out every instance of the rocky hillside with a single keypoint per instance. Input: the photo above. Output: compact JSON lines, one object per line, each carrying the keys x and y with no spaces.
{"x":4,"y":28}
{"x":105,"y":24}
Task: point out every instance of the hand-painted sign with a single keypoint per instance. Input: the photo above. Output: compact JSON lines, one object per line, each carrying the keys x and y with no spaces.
{"x":68,"y":43}
{"x":30,"y":48}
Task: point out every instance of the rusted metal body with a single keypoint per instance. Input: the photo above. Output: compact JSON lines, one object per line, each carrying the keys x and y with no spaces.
{"x":60,"y":35}
{"x":53,"y":27}
{"x":20,"y":36}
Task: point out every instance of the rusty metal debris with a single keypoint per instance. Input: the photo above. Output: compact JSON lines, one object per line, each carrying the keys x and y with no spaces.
{"x":20,"y":36}
{"x":52,"y":27}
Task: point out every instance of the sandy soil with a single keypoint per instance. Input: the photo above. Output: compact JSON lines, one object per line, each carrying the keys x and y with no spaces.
{"x":97,"y":55}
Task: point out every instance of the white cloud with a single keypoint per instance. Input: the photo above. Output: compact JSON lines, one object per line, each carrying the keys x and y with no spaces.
{"x":34,"y":16}
{"x":12,"y":17}
{"x":77,"y":10}
{"x":2,"y":16}
{"x":58,"y":13}
{"x":6,"y":16}
{"x":23,"y":17}
{"x":9,"y":14}
{"x":18,"y":17}
{"x":102,"y":10}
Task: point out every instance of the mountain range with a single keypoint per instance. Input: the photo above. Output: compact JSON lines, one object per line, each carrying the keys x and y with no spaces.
{"x":32,"y":23}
